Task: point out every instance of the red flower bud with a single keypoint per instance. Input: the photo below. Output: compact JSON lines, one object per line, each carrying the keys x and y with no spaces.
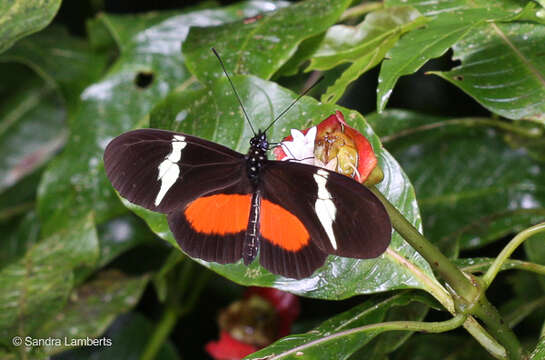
{"x":261,"y":317}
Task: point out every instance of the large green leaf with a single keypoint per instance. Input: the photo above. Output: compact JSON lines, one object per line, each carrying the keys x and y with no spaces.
{"x":337,"y":338}
{"x":364,"y":45}
{"x":440,"y":347}
{"x":31,"y":130}
{"x":120,"y":234}
{"x":23,"y":17}
{"x":130,"y":335}
{"x":344,"y":43}
{"x":262,"y":46}
{"x":35,"y":287}
{"x":92,"y":308}
{"x":149,"y":66}
{"x":434,"y":8}
{"x":16,"y":243}
{"x":388,"y":342}
{"x":214,"y":114}
{"x":65,"y":62}
{"x":472,"y":188}
{"x":503,"y":68}
{"x":442,"y":32}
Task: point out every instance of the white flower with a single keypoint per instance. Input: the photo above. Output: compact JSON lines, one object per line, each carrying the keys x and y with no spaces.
{"x":301,"y":148}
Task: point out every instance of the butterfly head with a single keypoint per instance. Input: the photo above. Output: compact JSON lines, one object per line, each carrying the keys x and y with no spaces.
{"x":259,"y":142}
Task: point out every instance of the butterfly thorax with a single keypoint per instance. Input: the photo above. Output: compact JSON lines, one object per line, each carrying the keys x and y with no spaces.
{"x":256,"y":156}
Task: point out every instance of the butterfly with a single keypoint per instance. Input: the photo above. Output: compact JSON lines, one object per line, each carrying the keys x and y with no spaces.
{"x":224,"y":206}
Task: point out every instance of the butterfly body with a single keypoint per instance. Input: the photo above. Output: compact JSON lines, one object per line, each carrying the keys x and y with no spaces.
{"x":224,"y":206}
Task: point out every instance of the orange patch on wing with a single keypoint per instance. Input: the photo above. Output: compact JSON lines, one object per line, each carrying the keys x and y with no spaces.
{"x":219,"y":214}
{"x":281,"y":227}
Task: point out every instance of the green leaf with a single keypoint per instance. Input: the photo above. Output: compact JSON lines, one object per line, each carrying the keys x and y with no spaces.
{"x":65,"y":62}
{"x":22,"y":17}
{"x":388,"y":342}
{"x":149,"y":67}
{"x":14,"y":245}
{"x":433,"y":8}
{"x":503,"y":69}
{"x":214,"y":114}
{"x":417,"y":47}
{"x":440,"y":347}
{"x":343,"y":43}
{"x":334,"y":339}
{"x":93,"y":307}
{"x":129,"y":334}
{"x":31,"y":131}
{"x":364,"y":45}
{"x":534,"y":248}
{"x":35,"y":287}
{"x":526,"y":301}
{"x":119,"y":235}
{"x":260,"y":47}
{"x":472,"y":188}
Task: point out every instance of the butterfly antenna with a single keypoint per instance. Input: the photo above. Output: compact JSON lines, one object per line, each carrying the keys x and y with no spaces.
{"x":234,"y":90}
{"x":294,"y":102}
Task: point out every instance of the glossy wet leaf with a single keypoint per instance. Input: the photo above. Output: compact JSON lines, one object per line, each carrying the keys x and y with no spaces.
{"x":65,"y":62}
{"x":35,"y":287}
{"x":31,"y":131}
{"x":525,"y":302}
{"x":16,"y":243}
{"x":214,"y":114}
{"x":338,"y":337}
{"x":129,"y":334}
{"x":434,"y":8}
{"x":472,"y":188}
{"x":503,"y":68}
{"x":534,"y":248}
{"x":480,"y":265}
{"x":148,"y":68}
{"x":364,"y":45}
{"x":93,"y":307}
{"x":440,"y":347}
{"x":345,"y":43}
{"x":23,"y":17}
{"x":121,"y":234}
{"x":388,"y":342}
{"x":262,"y":46}
{"x":417,"y":47}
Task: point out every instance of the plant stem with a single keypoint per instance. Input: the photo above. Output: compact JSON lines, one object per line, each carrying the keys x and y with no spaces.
{"x":163,"y":329}
{"x":468,"y":293}
{"x":430,"y":327}
{"x":360,"y":10}
{"x":498,"y":327}
{"x":508,"y":250}
{"x":454,"y":277}
{"x":507,"y":265}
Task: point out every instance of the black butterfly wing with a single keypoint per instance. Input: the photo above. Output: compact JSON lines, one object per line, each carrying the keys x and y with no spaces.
{"x":341,"y":216}
{"x":164,"y":170}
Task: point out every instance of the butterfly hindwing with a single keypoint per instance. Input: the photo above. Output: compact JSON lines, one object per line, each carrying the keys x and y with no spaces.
{"x":164,"y":170}
{"x":341,"y":216}
{"x":213,"y":227}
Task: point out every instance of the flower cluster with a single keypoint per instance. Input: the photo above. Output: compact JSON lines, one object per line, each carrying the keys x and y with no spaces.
{"x":333,"y":145}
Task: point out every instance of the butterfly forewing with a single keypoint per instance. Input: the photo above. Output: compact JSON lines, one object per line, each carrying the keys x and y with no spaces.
{"x":164,"y":170}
